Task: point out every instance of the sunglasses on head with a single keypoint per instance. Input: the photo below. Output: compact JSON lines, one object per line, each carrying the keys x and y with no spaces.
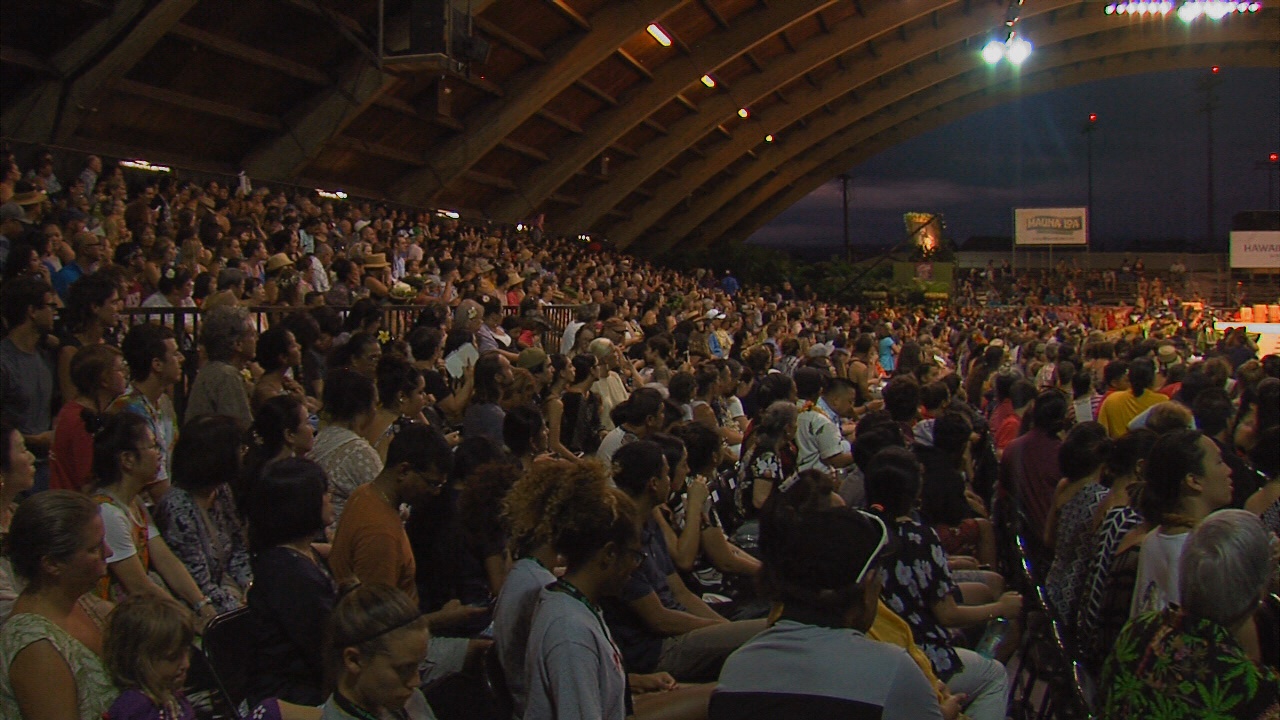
{"x":880,"y":545}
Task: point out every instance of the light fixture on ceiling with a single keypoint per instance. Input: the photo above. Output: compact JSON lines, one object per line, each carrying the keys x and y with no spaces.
{"x":659,"y":34}
{"x":708,"y":81}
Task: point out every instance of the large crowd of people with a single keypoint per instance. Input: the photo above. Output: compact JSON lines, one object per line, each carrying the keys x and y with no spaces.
{"x":413,"y":447}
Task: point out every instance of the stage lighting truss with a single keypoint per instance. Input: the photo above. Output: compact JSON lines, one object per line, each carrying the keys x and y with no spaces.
{"x":1188,"y":10}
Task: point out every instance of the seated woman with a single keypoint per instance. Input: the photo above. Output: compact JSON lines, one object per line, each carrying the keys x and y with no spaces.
{"x":1075,"y":503}
{"x":51,"y":665}
{"x":1117,"y":516}
{"x":1186,"y":480}
{"x":1190,"y":661}
{"x":530,"y":511}
{"x":766,"y":459}
{"x":824,"y":568}
{"x":947,"y":502}
{"x":198,"y":517}
{"x":17,"y":475}
{"x":348,"y":459}
{"x":282,"y":429}
{"x":377,"y":643}
{"x":278,"y":354}
{"x":126,"y":457}
{"x":695,"y":532}
{"x":99,"y":376}
{"x":919,"y":588}
{"x":294,"y":594}
{"x":401,"y":398}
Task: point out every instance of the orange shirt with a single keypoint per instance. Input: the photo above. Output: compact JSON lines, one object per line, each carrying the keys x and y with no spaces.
{"x":370,"y":544}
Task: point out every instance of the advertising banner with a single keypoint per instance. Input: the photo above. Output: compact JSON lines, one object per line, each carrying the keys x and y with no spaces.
{"x":1255,"y":249}
{"x":1050,"y":226}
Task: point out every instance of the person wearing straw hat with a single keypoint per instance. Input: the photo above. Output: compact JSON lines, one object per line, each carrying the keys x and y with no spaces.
{"x":377,"y":275}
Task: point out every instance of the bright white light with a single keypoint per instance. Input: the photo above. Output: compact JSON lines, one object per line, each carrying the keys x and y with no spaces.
{"x":1110,"y":9}
{"x":1123,"y":9}
{"x":1189,"y":12}
{"x":144,"y":165}
{"x":663,"y":39}
{"x":993,"y":52}
{"x":334,"y":195}
{"x":1019,"y":51}
{"x":1255,"y":7}
{"x":768,"y":138}
{"x":448,"y":213}
{"x":519,"y":227}
{"x":708,"y":81}
{"x":1217,"y":10}
{"x":743,"y":112}
{"x":1142,"y":8}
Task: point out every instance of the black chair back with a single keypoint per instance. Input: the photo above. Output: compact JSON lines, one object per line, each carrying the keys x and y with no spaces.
{"x":228,"y":653}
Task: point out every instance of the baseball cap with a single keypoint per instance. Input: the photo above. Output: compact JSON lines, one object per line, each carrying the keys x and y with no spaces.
{"x":13,"y":211}
{"x":531,"y":358}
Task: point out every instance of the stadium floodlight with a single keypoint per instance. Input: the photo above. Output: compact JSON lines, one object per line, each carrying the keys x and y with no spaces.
{"x":658,"y":34}
{"x":993,"y":52}
{"x":1019,"y":50}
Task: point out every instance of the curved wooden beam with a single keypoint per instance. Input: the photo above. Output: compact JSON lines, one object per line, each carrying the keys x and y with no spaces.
{"x":941,"y":88}
{"x":850,"y":151}
{"x":809,"y":101}
{"x":526,"y":94}
{"x":669,"y":79}
{"x":721,"y":107}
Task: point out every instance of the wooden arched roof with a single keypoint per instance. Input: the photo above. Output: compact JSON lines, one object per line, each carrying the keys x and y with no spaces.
{"x":578,"y":113}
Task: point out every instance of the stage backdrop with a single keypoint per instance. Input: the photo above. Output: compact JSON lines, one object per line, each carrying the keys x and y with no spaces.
{"x":1050,"y":226}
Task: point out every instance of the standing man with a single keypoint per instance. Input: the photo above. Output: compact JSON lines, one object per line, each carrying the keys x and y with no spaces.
{"x":26,"y":378}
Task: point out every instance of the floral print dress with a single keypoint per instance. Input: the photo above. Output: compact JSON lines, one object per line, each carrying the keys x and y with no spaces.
{"x":918,"y":579}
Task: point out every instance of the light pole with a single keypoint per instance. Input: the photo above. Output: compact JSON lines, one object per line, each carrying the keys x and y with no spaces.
{"x":1207,"y":86}
{"x":1089,"y":127}
{"x":844,"y":196}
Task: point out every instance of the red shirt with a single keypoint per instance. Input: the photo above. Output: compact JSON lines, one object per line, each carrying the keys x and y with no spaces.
{"x":71,"y":458}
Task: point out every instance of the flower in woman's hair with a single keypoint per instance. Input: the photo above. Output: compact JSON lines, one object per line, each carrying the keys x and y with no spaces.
{"x":170,"y":273}
{"x":384,"y":337}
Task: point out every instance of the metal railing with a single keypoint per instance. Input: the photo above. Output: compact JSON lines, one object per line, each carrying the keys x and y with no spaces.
{"x":397,"y":320}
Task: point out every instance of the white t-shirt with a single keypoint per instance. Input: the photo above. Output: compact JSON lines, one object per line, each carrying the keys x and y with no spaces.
{"x":1157,"y":584}
{"x":817,"y":438}
{"x":119,"y":532}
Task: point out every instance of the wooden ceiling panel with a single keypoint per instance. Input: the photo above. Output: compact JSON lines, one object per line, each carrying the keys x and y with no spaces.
{"x":151,"y":125}
{"x":798,"y":33}
{"x":638,"y":136}
{"x":669,"y":113}
{"x":274,"y":27}
{"x":501,"y":162}
{"x":43,"y":27}
{"x":190,"y":69}
{"x":575,"y":104}
{"x":769,"y":48}
{"x":734,"y":69}
{"x":532,"y":21}
{"x":537,"y":132}
{"x":503,"y":62}
{"x":614,"y":76}
{"x":690,"y":23}
{"x":348,"y":167}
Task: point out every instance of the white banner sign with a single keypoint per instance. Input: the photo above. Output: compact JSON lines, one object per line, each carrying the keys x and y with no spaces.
{"x":1050,"y":226}
{"x":1255,"y":249}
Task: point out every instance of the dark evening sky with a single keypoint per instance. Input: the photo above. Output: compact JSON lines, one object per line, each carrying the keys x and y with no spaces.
{"x":1149,"y":165}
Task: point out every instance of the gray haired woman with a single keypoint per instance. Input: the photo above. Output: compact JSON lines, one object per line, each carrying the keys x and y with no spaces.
{"x":1200,"y":659}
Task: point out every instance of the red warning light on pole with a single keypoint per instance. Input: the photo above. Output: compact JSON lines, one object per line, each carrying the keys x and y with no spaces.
{"x":1274,"y":157}
{"x":1215,"y":69}
{"x":1093,"y":117}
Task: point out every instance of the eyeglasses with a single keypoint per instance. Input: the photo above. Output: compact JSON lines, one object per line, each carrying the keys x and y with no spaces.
{"x":884,"y":540}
